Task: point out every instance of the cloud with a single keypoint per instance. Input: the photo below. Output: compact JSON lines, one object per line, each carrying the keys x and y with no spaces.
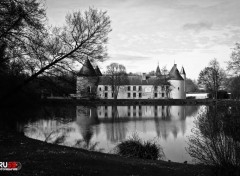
{"x":198,"y":27}
{"x":126,"y":57}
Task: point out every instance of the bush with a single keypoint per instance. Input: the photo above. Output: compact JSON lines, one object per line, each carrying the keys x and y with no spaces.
{"x":136,"y":148}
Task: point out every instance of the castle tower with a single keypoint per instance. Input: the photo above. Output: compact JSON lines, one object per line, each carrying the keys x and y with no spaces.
{"x":87,"y":81}
{"x":97,"y":71}
{"x":177,"y":84}
{"x":158,"y":72}
{"x":183,"y":74}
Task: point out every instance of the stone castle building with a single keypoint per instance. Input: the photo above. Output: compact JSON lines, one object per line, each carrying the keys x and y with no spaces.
{"x":91,"y":82}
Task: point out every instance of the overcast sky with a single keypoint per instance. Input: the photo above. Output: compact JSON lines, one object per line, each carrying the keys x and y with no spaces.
{"x":148,"y":32}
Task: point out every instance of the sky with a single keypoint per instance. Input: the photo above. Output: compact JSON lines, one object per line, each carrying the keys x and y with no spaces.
{"x":147,"y":33}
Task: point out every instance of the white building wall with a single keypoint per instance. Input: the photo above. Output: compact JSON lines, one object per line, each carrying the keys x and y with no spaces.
{"x":135,"y":92}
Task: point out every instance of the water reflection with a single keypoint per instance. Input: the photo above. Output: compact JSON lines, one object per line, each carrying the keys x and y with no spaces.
{"x":102,"y":127}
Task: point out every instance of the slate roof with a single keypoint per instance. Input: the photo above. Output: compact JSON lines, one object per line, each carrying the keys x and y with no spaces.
{"x":97,"y":71}
{"x":87,"y":69}
{"x":158,"y":72}
{"x":132,"y":80}
{"x":183,"y":71}
{"x":174,"y":73}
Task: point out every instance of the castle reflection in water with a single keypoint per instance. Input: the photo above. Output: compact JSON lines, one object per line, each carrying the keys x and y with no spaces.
{"x":106,"y":126}
{"x":165,"y":120}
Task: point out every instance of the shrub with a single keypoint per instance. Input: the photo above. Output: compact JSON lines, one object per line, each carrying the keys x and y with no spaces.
{"x":136,"y":148}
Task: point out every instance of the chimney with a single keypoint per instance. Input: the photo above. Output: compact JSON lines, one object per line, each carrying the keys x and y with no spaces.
{"x":143,"y":76}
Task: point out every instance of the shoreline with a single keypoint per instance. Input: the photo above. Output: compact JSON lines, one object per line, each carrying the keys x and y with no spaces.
{"x":41,"y":158}
{"x":125,"y":102}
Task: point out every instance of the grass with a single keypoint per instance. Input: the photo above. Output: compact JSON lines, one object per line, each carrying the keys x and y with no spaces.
{"x":134,"y":147}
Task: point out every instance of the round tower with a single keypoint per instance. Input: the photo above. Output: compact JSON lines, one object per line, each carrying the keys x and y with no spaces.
{"x":183,"y":74}
{"x":87,"y":81}
{"x":177,"y":84}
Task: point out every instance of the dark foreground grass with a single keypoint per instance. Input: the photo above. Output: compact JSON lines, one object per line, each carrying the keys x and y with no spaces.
{"x":136,"y":148}
{"x":40,"y":158}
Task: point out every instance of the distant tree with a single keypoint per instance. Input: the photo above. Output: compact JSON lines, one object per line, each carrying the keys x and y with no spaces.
{"x":234,"y":63}
{"x":191,"y":85}
{"x":164,"y":71}
{"x":212,"y":77}
{"x":151,"y":73}
{"x":164,"y":82}
{"x":167,"y":83}
{"x":234,"y":87}
{"x":117,"y":77}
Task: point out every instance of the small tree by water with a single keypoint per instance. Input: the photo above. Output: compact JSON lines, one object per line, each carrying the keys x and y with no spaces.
{"x":215,"y":140}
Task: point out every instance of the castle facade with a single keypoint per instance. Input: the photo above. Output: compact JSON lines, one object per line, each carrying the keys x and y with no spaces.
{"x":91,"y":82}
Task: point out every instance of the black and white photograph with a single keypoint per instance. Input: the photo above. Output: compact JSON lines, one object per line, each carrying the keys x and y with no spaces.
{"x":120,"y":87}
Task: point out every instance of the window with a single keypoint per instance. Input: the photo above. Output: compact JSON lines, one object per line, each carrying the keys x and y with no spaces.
{"x":129,"y":95}
{"x":112,"y":95}
{"x":88,"y":89}
{"x":100,"y":88}
{"x":106,"y":95}
{"x":134,"y":88}
{"x":155,"y":95}
{"x":134,"y":114}
{"x":106,"y":88}
{"x":140,"y":108}
{"x":140,"y":95}
{"x":162,"y":88}
{"x":178,"y":88}
{"x":140,"y":88}
{"x":162,"y":94}
{"x":134,"y":95}
{"x":129,"y":88}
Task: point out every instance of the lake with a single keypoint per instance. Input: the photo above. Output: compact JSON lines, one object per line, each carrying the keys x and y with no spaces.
{"x":101,"y":128}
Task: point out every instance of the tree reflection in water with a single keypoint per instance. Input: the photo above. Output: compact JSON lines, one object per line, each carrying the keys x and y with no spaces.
{"x":215,"y":140}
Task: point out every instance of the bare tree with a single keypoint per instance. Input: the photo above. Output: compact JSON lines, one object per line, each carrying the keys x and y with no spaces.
{"x":191,"y":85}
{"x":215,"y":139}
{"x":234,"y":63}
{"x":117,"y":77}
{"x":18,"y":19}
{"x":84,"y":35}
{"x":212,"y":77}
{"x":163,"y":81}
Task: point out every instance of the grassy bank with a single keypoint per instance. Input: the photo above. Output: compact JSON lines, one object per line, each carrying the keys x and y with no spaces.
{"x":39,"y":158}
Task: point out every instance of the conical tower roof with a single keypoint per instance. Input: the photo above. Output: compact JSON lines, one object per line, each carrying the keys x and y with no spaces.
{"x":87,"y":69}
{"x":183,"y":71}
{"x":158,"y":72}
{"x":98,"y":72}
{"x":174,"y":73}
